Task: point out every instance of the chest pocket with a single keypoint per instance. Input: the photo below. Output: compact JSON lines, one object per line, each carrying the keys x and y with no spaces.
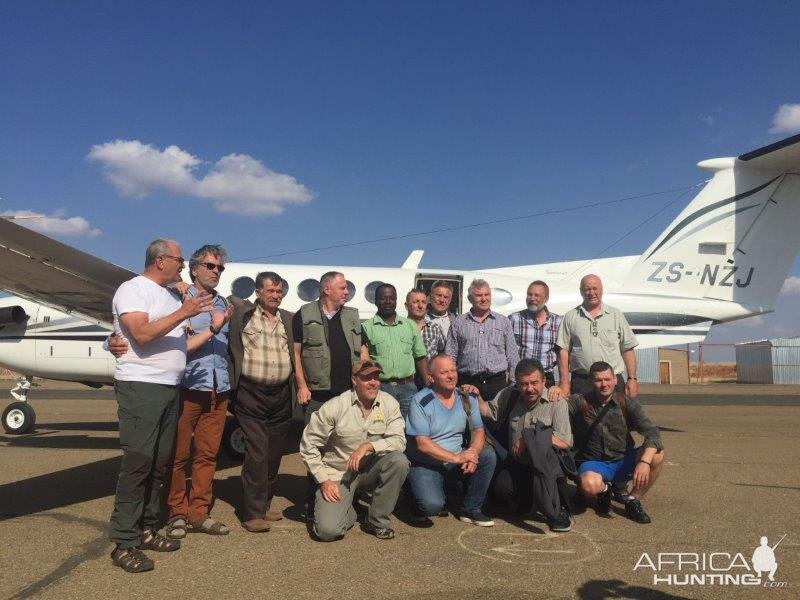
{"x":377,"y":424}
{"x":497,"y":339}
{"x":608,"y":337}
{"x":314,"y":334}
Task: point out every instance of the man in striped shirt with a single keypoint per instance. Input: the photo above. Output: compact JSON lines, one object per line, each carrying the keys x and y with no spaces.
{"x":482,"y":344}
{"x":536,"y":329}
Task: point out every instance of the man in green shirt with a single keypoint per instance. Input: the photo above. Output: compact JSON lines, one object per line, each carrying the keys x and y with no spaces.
{"x":394,"y":342}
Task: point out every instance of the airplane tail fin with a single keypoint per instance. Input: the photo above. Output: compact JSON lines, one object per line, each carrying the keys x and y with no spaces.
{"x":737,"y":239}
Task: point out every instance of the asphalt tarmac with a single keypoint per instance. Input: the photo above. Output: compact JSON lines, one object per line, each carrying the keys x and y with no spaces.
{"x":730,"y":477}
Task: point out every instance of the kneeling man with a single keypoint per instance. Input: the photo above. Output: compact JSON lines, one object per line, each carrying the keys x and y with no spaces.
{"x":601,"y":423}
{"x":354,"y":443}
{"x":439,"y":419}
{"x":532,"y":474}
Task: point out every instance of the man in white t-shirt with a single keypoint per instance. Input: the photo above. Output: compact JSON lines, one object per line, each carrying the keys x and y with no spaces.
{"x":152,"y":319}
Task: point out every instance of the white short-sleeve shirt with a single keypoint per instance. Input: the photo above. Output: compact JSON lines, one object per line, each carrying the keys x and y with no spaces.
{"x":162,"y":360}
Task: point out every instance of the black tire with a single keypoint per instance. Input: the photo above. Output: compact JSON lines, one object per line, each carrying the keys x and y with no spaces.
{"x":19,"y":418}
{"x":233,"y":440}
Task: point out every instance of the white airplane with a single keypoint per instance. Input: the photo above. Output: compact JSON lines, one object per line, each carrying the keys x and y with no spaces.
{"x":724,"y":257}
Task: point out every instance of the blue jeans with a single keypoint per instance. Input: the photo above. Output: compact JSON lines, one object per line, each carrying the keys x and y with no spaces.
{"x":427,"y":483}
{"x":402,"y":392}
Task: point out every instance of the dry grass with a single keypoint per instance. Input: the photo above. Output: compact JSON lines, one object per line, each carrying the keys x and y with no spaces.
{"x":713,"y":372}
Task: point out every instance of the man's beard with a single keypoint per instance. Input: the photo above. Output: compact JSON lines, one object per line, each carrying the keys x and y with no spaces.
{"x":535,"y":306}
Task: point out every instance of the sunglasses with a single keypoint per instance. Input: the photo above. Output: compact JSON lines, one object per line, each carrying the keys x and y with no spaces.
{"x":212,"y":266}
{"x":178,"y":259}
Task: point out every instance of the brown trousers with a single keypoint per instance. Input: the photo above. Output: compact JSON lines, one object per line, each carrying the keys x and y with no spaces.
{"x":202,"y":415}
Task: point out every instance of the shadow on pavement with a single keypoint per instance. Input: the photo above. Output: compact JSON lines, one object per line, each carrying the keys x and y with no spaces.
{"x":291,"y":487}
{"x":76,"y":442}
{"x":616,"y":588}
{"x":59,"y":489}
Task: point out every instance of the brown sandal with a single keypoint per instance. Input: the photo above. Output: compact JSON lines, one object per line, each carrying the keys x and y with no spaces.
{"x":211,"y":527}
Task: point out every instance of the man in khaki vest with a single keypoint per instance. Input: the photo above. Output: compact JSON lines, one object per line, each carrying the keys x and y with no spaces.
{"x":327,"y":342}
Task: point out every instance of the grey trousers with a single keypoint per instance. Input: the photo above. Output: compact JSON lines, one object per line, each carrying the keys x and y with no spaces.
{"x":383,"y":476}
{"x":148,"y":415}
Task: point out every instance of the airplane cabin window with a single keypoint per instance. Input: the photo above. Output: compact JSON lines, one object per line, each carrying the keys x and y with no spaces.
{"x":243,"y":287}
{"x":352,"y":289}
{"x":308,"y":290}
{"x":369,"y":291}
{"x":285,"y":286}
{"x":501,"y":297}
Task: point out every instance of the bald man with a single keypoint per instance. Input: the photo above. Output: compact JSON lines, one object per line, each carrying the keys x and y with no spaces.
{"x":592,"y":332}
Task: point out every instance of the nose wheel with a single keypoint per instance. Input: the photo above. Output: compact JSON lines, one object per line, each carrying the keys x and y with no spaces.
{"x":19,"y":417}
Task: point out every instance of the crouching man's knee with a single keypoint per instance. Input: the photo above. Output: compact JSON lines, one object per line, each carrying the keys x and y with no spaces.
{"x":328,"y":532}
{"x":591,"y":484}
{"x":396,"y":464}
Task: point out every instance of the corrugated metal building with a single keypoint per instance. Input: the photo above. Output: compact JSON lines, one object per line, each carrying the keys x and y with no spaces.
{"x":662,"y":365}
{"x":769,"y":361}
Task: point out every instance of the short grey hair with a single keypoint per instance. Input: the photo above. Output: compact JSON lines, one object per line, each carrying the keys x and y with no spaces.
{"x":440,"y":283}
{"x":328,"y":278}
{"x":477,"y":284}
{"x":156,"y":248}
{"x":215,"y":250}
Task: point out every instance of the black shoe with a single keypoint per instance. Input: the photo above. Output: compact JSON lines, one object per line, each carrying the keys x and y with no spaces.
{"x":603,"y":503}
{"x":620,"y":491}
{"x":418,"y":519}
{"x":152,"y":540}
{"x":476,"y":518}
{"x":563,"y":522}
{"x":131,"y":560}
{"x":635,"y":512}
{"x":382,"y":533}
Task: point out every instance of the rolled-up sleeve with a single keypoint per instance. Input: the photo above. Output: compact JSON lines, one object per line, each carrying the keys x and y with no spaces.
{"x":643,"y":424}
{"x":627,"y":341}
{"x":394,"y":440}
{"x":561,"y":426}
{"x":315,"y":436}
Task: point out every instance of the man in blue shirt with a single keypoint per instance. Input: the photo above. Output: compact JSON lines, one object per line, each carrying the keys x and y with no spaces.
{"x":204,"y":402}
{"x":436,"y":426}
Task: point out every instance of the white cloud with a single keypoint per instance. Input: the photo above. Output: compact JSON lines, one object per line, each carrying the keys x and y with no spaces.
{"x":54,"y":224}
{"x":786,"y":120}
{"x":236,"y":183}
{"x":791,"y":287}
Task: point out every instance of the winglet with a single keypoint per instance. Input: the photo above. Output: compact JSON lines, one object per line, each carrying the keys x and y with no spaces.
{"x":413,"y":260}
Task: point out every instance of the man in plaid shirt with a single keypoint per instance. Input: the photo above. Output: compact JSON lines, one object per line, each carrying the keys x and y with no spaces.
{"x":536,"y":328}
{"x":432,"y":334}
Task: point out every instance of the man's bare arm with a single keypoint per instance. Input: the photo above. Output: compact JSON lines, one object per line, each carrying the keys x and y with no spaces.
{"x":144,"y":331}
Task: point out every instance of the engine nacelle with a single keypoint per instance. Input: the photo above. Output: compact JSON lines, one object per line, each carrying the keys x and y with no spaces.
{"x":12,"y":314}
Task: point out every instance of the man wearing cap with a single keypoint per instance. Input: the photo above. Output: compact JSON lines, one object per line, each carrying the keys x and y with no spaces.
{"x":355,"y":442}
{"x":395,"y":343}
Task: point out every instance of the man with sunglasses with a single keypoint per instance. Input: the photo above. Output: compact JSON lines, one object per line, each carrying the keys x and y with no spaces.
{"x":592,"y":332}
{"x":152,"y":320}
{"x":204,"y":402}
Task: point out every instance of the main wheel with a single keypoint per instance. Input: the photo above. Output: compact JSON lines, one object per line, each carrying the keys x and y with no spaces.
{"x":19,"y":417}
{"x":233,"y":440}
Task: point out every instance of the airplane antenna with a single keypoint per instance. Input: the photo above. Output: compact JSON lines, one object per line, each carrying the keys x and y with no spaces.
{"x":473,"y":225}
{"x":634,"y":228}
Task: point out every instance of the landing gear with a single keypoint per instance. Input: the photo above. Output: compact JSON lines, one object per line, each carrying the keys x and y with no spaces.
{"x":19,"y":417}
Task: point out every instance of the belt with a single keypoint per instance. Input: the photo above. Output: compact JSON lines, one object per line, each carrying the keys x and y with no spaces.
{"x":484,"y":377}
{"x":398,"y":380}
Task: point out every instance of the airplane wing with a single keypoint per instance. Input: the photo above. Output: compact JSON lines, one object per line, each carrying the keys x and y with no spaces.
{"x":38,"y":268}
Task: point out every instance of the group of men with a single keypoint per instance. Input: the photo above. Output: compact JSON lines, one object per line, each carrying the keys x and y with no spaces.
{"x":437,"y":404}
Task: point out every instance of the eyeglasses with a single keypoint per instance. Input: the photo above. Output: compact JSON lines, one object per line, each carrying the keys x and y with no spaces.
{"x":178,"y":259}
{"x":212,"y":266}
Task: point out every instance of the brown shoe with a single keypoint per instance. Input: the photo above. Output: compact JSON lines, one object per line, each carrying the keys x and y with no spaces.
{"x":273,"y":515}
{"x":256,"y":525}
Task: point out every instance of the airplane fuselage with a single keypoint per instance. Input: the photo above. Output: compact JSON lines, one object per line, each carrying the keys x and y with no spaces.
{"x":55,"y":345}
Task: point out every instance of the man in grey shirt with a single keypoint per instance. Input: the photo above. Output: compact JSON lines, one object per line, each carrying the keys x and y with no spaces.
{"x":482,"y":344}
{"x":514,"y":410}
{"x":592,"y":332}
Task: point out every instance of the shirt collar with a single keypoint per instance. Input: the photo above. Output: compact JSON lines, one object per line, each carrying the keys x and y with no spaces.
{"x":354,"y":399}
{"x":398,"y":320}
{"x":491,"y":315}
{"x":603,"y":310}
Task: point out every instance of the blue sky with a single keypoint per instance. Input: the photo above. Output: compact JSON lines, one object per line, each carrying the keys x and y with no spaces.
{"x":305,"y":124}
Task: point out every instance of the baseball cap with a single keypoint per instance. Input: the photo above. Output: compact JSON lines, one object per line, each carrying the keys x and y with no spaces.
{"x":366,"y":367}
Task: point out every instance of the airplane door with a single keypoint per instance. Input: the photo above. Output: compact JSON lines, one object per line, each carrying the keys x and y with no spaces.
{"x":424,"y":282}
